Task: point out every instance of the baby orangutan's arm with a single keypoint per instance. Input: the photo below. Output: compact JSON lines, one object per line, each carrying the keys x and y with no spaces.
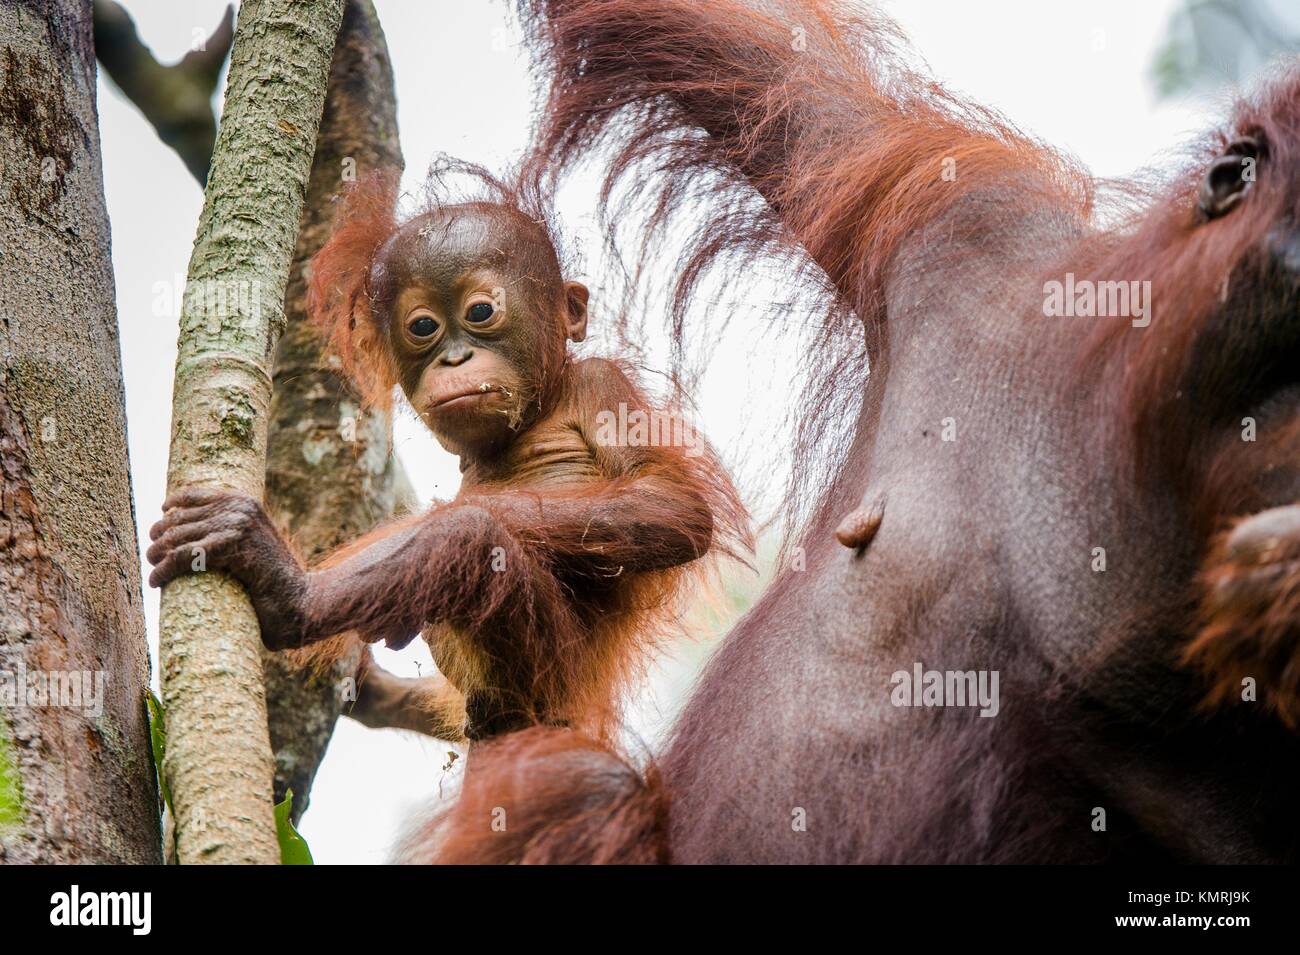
{"x":427,"y":705}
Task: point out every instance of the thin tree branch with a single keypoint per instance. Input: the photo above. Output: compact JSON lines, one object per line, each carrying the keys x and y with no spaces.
{"x":176,"y":99}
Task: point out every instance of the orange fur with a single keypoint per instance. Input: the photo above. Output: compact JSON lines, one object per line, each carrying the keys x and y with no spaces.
{"x":543,"y":601}
{"x":338,"y":299}
{"x":527,"y":799}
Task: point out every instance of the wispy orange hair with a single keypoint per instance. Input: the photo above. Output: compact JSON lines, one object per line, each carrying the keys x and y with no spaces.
{"x":795,"y":128}
{"x":338,"y":294}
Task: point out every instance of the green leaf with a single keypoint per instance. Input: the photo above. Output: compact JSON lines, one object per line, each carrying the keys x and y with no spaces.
{"x":293,"y":848}
{"x":11,"y":784}
{"x":158,"y":741}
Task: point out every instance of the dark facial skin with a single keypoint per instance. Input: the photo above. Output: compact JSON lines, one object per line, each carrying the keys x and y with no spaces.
{"x":471,"y":335}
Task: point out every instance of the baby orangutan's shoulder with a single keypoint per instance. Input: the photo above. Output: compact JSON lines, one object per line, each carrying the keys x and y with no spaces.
{"x":604,"y":381}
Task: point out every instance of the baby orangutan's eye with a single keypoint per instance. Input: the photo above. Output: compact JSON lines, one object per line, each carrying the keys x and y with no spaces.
{"x":479,"y":312}
{"x":423,"y":326}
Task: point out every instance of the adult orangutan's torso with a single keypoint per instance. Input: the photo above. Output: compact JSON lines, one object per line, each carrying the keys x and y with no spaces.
{"x":792,"y":749}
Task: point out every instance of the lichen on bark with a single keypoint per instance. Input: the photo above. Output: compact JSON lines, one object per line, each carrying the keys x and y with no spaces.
{"x":11,"y":783}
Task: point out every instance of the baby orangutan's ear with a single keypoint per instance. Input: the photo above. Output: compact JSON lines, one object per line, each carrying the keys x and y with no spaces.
{"x":575,"y":310}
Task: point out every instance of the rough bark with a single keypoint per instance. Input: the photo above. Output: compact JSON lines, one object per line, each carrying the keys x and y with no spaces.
{"x":218,"y":763}
{"x":330,"y":473}
{"x":81,"y":786}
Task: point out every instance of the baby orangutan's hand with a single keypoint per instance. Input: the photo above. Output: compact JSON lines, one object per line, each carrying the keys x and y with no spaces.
{"x":210,"y":529}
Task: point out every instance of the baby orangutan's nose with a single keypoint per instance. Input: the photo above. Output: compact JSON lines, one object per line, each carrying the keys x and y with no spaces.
{"x":1267,"y":537}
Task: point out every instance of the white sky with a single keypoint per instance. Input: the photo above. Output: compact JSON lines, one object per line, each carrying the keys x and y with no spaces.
{"x":1074,"y":74}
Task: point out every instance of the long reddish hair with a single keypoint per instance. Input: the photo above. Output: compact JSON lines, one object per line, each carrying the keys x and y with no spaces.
{"x":798,"y":131}
{"x":1193,"y":266}
{"x":338,"y":292}
{"x":800,"y":128}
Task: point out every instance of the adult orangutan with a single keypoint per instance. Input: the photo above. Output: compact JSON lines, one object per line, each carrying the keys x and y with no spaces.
{"x":541,"y":585}
{"x":1102,"y":511}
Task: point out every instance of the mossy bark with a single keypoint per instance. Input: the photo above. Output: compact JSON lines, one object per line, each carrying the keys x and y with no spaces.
{"x":218,"y":762}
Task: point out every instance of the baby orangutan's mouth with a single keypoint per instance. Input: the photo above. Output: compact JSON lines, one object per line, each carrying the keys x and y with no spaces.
{"x":469,"y":394}
{"x":1250,"y":614}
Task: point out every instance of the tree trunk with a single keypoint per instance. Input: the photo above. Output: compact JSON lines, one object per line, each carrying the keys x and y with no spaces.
{"x":218,"y":761}
{"x":330,"y":473}
{"x":76,"y":779}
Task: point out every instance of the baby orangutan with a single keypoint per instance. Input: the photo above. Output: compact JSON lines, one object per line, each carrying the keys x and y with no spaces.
{"x":542,"y":584}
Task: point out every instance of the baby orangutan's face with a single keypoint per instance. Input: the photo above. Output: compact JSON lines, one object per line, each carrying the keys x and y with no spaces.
{"x":474,"y":334}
